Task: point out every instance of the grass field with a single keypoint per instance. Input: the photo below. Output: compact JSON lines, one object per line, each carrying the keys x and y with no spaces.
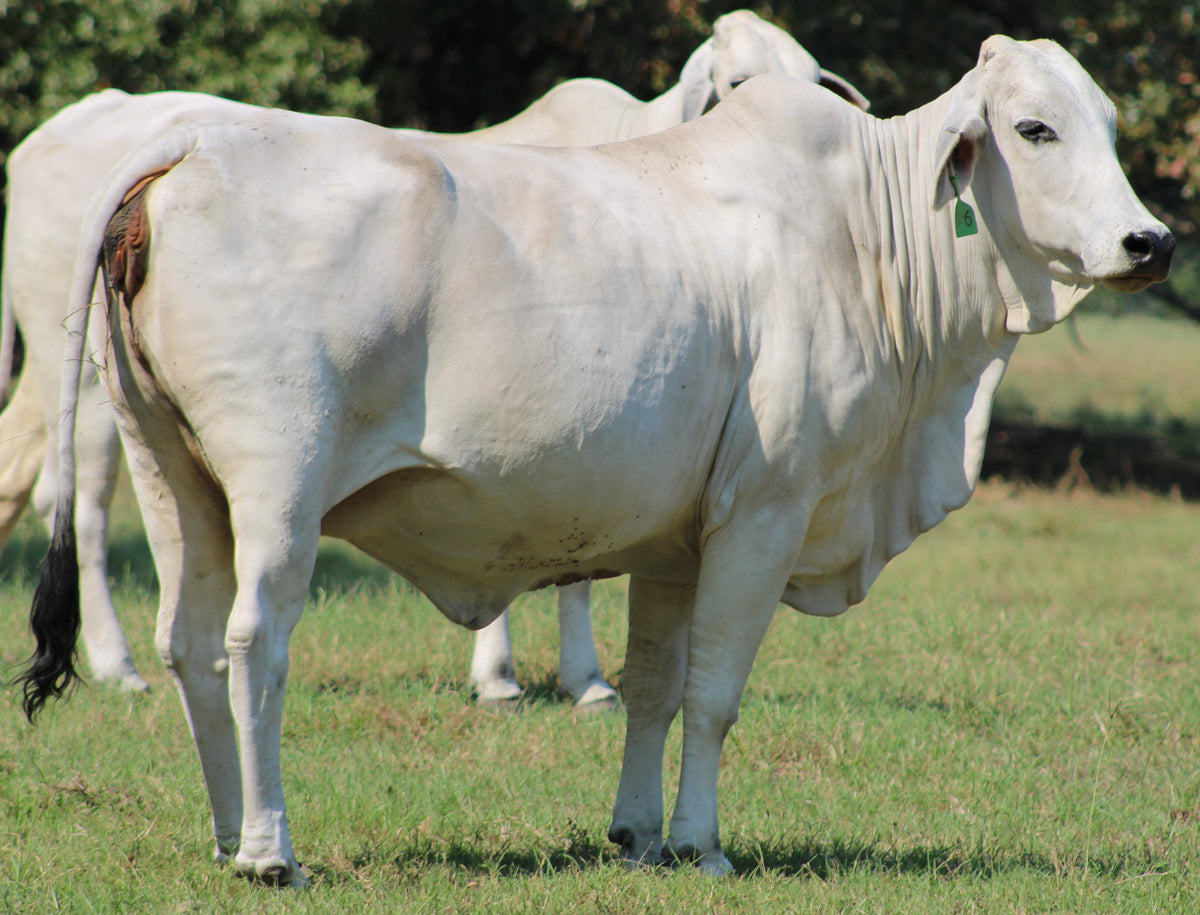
{"x":1008,"y":724}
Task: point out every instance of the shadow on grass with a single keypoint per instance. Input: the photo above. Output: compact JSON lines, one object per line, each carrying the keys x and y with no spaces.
{"x":1097,"y":451}
{"x":945,"y":861}
{"x":575,"y":850}
{"x":339,"y":569}
{"x":545,"y":688}
{"x":540,"y":691}
{"x":578,"y":850}
{"x":129,"y":559}
{"x":21,"y":559}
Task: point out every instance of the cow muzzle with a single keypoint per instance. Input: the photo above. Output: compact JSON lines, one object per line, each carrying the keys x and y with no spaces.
{"x":1149,"y":252}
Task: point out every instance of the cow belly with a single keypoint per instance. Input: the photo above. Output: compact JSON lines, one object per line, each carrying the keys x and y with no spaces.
{"x":473,"y":547}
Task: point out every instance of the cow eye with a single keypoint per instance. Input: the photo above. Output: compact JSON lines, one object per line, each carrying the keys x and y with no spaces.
{"x":1036,"y":131}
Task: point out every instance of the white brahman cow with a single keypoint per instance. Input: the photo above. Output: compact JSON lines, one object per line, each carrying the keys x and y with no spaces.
{"x":586,"y":112}
{"x":743,"y":360}
{"x":55,"y":171}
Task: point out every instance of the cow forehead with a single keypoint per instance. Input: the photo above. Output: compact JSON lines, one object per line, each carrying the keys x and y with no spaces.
{"x":1029,"y":74}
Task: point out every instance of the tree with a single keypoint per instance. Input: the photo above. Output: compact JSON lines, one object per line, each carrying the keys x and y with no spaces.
{"x":456,"y":66}
{"x":271,"y":52}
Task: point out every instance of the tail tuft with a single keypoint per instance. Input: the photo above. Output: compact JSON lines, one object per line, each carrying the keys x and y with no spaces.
{"x":54,"y":619}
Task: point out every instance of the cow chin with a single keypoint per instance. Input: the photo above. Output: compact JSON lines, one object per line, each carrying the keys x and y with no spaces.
{"x":1130,"y":282}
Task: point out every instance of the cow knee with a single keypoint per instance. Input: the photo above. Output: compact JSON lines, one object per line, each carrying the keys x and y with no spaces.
{"x":257,"y":635}
{"x":715,"y":715}
{"x":187,"y":656}
{"x":247,"y":635}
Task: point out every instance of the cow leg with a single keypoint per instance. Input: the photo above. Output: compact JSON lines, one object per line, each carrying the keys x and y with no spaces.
{"x":23,"y":450}
{"x":578,"y":665}
{"x":492,"y":670}
{"x":189,"y":535}
{"x":98,"y":453}
{"x":655,"y":666}
{"x":735,"y":603}
{"x":276,"y":552}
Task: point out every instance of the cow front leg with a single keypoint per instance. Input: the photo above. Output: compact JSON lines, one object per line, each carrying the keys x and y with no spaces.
{"x":735,"y":603}
{"x":655,"y":664}
{"x":274,"y":567}
{"x":578,"y":664}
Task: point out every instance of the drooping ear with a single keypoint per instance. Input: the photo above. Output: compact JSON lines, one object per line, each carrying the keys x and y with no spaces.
{"x":699,"y":90}
{"x":962,"y":133}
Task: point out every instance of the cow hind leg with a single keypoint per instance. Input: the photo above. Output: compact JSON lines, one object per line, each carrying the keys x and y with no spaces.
{"x":655,"y":666}
{"x":274,"y":565}
{"x":188,"y":529}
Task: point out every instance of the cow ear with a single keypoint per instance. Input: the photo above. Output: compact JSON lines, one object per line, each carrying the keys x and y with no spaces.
{"x":963,"y":133}
{"x":843,"y":87}
{"x":699,"y":90}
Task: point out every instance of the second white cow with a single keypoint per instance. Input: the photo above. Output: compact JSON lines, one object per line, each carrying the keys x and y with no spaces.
{"x":746,"y":360}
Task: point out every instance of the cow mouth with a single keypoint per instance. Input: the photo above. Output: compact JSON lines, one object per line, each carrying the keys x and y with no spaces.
{"x":1133,"y":282}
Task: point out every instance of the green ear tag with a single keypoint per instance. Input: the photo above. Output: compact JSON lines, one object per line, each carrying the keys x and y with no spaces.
{"x":964,"y":216}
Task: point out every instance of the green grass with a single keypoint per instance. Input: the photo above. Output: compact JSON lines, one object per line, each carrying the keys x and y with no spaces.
{"x":1008,"y":724}
{"x":1136,"y":368}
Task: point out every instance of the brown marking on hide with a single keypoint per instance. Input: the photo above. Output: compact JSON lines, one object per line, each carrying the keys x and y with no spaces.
{"x":127,"y":239}
{"x":573,"y":578}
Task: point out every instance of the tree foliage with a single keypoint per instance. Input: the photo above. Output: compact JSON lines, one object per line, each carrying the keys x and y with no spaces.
{"x":271,"y":52}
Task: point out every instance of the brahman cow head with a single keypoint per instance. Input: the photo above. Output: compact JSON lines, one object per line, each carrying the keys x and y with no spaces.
{"x":744,"y":45}
{"x":1036,"y":135}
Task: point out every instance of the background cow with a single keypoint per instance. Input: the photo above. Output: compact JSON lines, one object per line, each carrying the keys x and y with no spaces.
{"x":54,"y":173}
{"x":745,"y":360}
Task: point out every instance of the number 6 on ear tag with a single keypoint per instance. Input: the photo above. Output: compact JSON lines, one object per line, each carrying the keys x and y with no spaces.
{"x":964,"y":216}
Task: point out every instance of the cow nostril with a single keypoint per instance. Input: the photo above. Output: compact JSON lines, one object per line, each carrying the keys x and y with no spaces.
{"x":1140,"y":245}
{"x":1150,"y":251}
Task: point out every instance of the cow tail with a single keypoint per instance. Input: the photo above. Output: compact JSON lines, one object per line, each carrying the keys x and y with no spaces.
{"x":54,"y":616}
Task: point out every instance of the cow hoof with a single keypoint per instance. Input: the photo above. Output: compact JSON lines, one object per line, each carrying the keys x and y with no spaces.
{"x":123,"y":676}
{"x":281,"y":876}
{"x":133,"y":683}
{"x":497,"y":692}
{"x":713,"y":863}
{"x":636,"y":854}
{"x":598,"y":697}
{"x":275,"y":873}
